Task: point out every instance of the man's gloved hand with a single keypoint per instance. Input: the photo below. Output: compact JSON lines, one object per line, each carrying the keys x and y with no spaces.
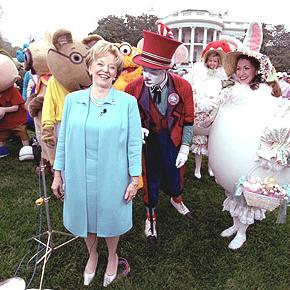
{"x":145,"y":133}
{"x":2,"y":113}
{"x":182,"y":156}
{"x":48,"y":137}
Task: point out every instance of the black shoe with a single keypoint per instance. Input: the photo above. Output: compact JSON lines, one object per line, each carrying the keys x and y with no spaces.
{"x":152,"y":241}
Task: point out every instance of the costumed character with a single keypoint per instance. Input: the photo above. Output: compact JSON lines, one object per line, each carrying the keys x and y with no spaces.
{"x":12,"y":110}
{"x":21,"y":72}
{"x":28,"y":79}
{"x":20,"y":53}
{"x":206,"y":80}
{"x":131,"y":70}
{"x":249,"y":141}
{"x":166,"y":107}
{"x":66,"y":61}
{"x":36,"y":62}
{"x":22,"y":58}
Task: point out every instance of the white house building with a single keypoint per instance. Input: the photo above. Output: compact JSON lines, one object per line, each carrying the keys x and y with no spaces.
{"x":196,"y":28}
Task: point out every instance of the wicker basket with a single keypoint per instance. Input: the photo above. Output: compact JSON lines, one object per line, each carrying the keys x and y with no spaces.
{"x":261,"y":201}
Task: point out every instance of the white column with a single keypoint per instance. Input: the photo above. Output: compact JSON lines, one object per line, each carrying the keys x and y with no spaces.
{"x":180,"y":34}
{"x":214,"y":35}
{"x":204,"y":38}
{"x":191,"y":51}
{"x":219,"y":33}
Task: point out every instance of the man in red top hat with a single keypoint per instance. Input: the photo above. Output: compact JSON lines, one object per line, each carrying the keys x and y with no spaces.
{"x":166,"y":107}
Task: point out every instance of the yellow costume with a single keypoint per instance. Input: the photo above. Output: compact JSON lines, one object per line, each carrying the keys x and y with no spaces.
{"x":53,"y":103}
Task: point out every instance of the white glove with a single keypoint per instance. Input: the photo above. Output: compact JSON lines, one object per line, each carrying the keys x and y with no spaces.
{"x":182,"y":156}
{"x":145,"y":133}
{"x":2,"y":113}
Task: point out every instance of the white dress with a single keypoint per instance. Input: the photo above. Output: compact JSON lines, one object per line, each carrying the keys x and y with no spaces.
{"x":244,"y":123}
{"x":206,"y":85}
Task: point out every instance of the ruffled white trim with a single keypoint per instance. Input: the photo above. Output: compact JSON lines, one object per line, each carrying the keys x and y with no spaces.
{"x":199,"y":145}
{"x":199,"y":149}
{"x":275,"y":141}
{"x":246,"y":214}
{"x":242,"y":94}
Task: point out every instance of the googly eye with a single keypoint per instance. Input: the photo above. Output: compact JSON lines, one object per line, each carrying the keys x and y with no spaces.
{"x":76,"y":57}
{"x":125,"y":48}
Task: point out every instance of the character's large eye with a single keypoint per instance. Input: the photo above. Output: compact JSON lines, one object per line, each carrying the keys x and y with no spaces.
{"x":76,"y":57}
{"x":125,"y":48}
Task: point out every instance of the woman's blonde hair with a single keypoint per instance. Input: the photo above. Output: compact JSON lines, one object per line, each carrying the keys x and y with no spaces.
{"x":101,"y":48}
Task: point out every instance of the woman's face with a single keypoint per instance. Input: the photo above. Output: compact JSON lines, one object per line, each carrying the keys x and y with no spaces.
{"x":213,"y":62}
{"x":245,"y":71}
{"x":104,"y":70}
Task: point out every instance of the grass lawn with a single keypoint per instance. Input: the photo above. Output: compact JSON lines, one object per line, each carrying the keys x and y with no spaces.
{"x":188,"y":255}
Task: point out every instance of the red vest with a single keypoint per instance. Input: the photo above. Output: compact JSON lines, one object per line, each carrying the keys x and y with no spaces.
{"x":178,"y":115}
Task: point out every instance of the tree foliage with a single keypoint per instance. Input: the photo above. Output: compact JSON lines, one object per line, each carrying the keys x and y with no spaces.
{"x":276,"y":43}
{"x":129,"y":28}
{"x":6,"y":45}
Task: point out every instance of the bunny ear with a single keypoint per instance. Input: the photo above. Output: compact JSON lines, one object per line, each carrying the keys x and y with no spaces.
{"x":254,"y":37}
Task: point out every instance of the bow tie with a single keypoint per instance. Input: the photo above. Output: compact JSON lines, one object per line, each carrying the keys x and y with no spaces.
{"x":156,"y":92}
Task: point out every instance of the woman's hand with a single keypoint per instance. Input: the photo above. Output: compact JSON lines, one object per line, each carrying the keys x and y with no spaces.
{"x":57,"y":187}
{"x":131,"y":191}
{"x":254,"y":86}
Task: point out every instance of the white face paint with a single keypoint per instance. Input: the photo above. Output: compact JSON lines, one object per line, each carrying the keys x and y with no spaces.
{"x":153,"y":77}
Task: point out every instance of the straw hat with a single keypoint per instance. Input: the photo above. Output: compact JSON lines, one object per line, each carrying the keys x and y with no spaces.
{"x":250,"y":47}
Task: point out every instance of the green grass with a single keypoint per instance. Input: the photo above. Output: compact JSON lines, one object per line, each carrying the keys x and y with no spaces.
{"x":188,"y":255}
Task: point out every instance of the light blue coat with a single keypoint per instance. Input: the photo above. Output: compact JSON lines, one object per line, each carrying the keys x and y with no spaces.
{"x":119,"y":157}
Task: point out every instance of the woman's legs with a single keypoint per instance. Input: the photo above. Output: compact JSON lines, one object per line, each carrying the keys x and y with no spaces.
{"x":231,"y":230}
{"x":240,"y":230}
{"x":91,"y":243}
{"x":198,"y":159}
{"x":112,"y":265}
{"x":240,"y":237}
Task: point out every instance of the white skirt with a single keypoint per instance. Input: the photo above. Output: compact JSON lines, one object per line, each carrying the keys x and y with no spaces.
{"x":199,"y":144}
{"x":238,"y":208}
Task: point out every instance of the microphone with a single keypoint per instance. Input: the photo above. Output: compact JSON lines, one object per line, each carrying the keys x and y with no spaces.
{"x":103,"y":112}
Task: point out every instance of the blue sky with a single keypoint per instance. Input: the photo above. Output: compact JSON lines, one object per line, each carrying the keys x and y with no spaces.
{"x":18,"y":25}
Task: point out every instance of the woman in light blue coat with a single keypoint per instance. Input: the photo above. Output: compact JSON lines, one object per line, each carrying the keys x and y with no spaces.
{"x":99,"y":149}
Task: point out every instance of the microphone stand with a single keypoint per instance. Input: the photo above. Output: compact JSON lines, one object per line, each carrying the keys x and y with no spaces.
{"x":50,"y":233}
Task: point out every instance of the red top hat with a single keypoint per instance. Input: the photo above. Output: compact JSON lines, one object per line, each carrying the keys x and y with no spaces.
{"x":157,"y":51}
